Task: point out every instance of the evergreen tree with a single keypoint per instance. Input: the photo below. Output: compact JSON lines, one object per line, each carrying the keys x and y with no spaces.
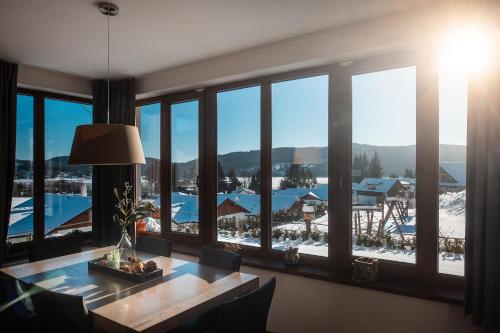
{"x":409,"y":173}
{"x":375,"y":169}
{"x":364,"y":166}
{"x":255,"y":182}
{"x":234,"y":182}
{"x":297,"y":176}
{"x":356,"y":166}
{"x":221,"y":178}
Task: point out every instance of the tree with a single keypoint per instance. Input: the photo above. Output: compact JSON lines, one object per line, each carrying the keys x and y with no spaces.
{"x":409,"y":173}
{"x":357,"y":166}
{"x":234,"y":182}
{"x":255,"y":182}
{"x":221,"y":178}
{"x":297,"y":176}
{"x":364,"y":165}
{"x":393,"y":175}
{"x":375,"y":169}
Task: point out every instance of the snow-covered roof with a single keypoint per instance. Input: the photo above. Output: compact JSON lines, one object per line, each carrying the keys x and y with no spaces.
{"x":320,"y":191}
{"x":377,"y":185}
{"x":59,"y":208}
{"x":457,"y":170}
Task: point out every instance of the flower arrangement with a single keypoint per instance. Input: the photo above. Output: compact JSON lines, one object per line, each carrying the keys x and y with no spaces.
{"x":128,"y":210}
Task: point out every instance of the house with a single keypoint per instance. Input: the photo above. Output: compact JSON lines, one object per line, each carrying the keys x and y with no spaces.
{"x":63,"y":212}
{"x":371,"y":191}
{"x":452,"y":176}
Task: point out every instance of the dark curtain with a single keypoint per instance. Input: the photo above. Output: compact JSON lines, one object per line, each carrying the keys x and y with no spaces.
{"x":482,"y":261}
{"x":106,"y":178}
{"x":8,"y":106}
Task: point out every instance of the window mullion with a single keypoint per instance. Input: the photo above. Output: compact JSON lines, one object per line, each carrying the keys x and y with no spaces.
{"x":339,"y":168}
{"x":266,"y":164}
{"x":427,"y":169}
{"x":39,"y":172}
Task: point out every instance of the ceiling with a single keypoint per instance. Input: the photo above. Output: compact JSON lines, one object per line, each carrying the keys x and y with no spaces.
{"x":150,"y":35}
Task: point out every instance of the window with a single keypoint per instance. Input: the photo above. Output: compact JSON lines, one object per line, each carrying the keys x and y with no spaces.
{"x":383,"y":165}
{"x":68,"y":189}
{"x":238,"y":166}
{"x":184,"y":172}
{"x":452,"y":168}
{"x":149,"y":127}
{"x":300,"y":165}
{"x":21,"y":214}
{"x":275,"y":174}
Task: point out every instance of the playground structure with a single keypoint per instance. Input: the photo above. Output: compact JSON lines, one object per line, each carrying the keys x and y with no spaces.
{"x":397,"y":212}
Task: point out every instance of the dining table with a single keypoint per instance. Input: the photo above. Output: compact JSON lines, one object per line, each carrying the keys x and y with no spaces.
{"x":186,"y":289}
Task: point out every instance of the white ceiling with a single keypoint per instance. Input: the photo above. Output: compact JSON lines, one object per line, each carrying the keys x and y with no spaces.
{"x":151,"y":35}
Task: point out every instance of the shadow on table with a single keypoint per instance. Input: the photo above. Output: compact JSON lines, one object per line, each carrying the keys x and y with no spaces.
{"x":99,"y":288}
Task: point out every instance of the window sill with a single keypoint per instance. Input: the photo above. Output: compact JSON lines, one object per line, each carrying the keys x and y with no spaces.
{"x":439,"y":289}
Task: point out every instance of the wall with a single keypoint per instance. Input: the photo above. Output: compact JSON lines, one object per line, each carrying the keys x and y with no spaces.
{"x":307,"y":305}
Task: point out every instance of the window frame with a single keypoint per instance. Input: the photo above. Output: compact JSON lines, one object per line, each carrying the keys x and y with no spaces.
{"x":39,"y":162}
{"x":420,"y":279}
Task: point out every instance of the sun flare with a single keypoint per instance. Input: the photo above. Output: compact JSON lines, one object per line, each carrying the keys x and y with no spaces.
{"x":466,"y":48}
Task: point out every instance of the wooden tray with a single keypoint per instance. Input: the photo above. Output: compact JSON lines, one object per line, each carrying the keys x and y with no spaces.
{"x":95,"y":266}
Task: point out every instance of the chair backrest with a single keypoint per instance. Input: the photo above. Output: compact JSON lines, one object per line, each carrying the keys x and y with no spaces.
{"x":60,"y":312}
{"x":212,"y":256}
{"x":54,"y":247}
{"x":15,"y":302}
{"x":247,"y":313}
{"x":158,"y":246}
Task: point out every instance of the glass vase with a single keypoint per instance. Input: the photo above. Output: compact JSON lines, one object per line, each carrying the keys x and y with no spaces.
{"x":125,"y":246}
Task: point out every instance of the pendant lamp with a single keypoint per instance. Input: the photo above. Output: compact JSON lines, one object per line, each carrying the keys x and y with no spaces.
{"x":106,"y":144}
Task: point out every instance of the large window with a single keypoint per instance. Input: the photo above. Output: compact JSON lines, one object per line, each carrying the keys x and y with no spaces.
{"x":383,"y":164}
{"x":68,"y":189}
{"x":21,"y":214}
{"x":238,"y":166}
{"x":149,"y":127}
{"x":325,"y":161}
{"x":300,"y":165}
{"x":452,"y":168}
{"x":184,"y":171}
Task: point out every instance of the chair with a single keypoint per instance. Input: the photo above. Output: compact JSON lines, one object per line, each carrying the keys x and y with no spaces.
{"x":15,"y":305}
{"x":219,"y":258}
{"x":54,"y":247}
{"x":158,"y":246}
{"x":246,"y":313}
{"x":60,"y":312}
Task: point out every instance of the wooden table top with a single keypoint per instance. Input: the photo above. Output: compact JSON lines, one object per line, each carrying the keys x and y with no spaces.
{"x":186,"y":290}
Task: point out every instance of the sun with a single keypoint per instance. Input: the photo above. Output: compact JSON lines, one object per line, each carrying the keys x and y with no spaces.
{"x":467,"y":48}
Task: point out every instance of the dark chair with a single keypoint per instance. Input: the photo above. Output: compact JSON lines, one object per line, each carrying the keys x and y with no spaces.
{"x":54,"y":247}
{"x":219,"y":258}
{"x":246,"y":313}
{"x":158,"y":246}
{"x":16,"y":309}
{"x":60,"y":312}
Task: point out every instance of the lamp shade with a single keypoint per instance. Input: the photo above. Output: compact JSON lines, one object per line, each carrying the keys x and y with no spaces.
{"x":106,"y":144}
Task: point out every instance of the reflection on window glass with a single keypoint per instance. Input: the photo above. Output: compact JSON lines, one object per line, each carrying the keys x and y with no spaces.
{"x":185,"y":202}
{"x":383,"y":164}
{"x":68,"y":189}
{"x":21,"y":213}
{"x":238,"y":171}
{"x":300,"y":165}
{"x":149,"y":126}
{"x":452,"y":168}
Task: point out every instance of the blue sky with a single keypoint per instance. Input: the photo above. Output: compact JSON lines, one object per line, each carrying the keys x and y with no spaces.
{"x":383,"y":114}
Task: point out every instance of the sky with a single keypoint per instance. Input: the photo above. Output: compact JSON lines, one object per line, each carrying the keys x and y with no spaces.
{"x":384,"y":105}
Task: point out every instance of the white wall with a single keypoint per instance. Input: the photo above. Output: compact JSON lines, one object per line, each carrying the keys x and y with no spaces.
{"x":51,"y":81}
{"x":304,"y":305}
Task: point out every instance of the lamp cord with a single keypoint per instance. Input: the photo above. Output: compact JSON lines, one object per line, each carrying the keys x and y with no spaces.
{"x":108,"y":63}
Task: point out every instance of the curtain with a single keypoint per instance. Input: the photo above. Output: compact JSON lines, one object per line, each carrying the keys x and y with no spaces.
{"x":8,"y":108}
{"x":106,"y":178}
{"x":482,"y":261}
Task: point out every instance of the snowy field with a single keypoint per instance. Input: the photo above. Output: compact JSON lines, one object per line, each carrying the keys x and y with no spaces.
{"x":452,"y":224}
